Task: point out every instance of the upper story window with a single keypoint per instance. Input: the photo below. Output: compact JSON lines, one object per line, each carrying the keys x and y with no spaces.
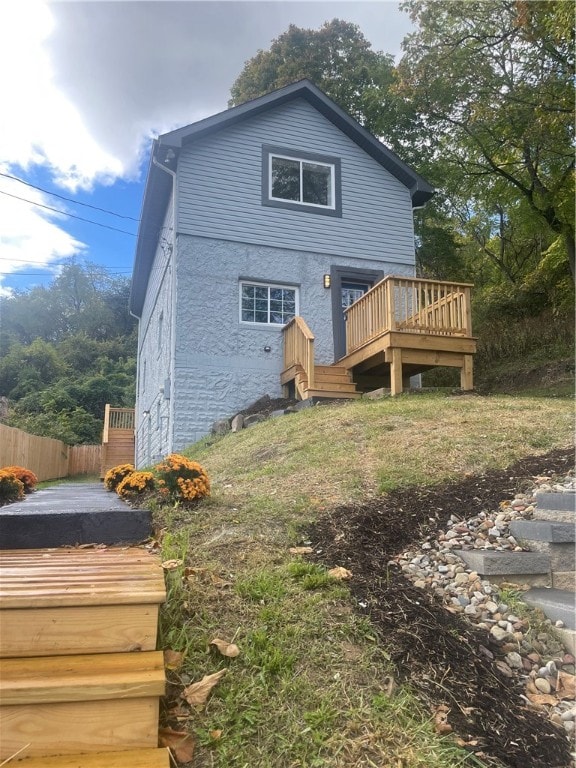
{"x":267,"y":304}
{"x":301,"y":181}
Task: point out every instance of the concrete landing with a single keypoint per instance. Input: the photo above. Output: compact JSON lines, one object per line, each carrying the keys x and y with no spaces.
{"x":71,"y":514}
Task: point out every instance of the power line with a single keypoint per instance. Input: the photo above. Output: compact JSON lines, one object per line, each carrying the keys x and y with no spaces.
{"x":70,"y":215}
{"x":68,"y":199}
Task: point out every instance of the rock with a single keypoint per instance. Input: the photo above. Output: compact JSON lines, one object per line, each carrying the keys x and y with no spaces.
{"x":504,"y":668}
{"x":491,"y":606}
{"x":461,"y":578}
{"x":220,"y":427}
{"x":237,"y":423}
{"x":254,"y":418}
{"x":499,"y":634}
{"x":569,"y":727}
{"x":543,"y":685}
{"x":514,"y":660}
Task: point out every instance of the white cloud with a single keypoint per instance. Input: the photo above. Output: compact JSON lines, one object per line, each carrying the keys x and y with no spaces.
{"x":29,"y":239}
{"x":86,"y":84}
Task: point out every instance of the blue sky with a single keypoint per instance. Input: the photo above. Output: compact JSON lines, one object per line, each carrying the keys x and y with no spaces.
{"x":85,"y":85}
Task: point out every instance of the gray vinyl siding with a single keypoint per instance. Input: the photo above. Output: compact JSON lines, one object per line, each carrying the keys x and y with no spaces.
{"x":220,"y":191}
{"x":155,"y":342}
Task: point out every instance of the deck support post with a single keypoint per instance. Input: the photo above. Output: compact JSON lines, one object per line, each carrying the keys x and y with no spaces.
{"x":466,"y":377}
{"x":396,"y":371}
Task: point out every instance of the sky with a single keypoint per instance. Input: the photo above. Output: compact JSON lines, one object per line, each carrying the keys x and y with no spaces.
{"x":86,"y":85}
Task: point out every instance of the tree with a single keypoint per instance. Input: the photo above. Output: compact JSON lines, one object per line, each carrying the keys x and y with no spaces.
{"x":492,"y":85}
{"x":337,"y":58}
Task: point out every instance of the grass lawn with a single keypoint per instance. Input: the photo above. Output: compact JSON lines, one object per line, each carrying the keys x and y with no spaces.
{"x":312,"y":686}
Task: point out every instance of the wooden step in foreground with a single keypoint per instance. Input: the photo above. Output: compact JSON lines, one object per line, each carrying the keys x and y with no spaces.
{"x":66,"y":704}
{"x":79,"y":673}
{"x":134,"y":758}
{"x":71,"y":601}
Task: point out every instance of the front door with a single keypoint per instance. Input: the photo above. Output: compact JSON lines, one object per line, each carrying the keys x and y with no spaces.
{"x":348,"y":285}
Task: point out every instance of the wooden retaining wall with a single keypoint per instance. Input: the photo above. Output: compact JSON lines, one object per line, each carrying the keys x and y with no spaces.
{"x":49,"y":459}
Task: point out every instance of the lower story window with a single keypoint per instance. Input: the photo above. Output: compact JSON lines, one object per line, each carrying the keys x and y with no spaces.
{"x":267,"y":304}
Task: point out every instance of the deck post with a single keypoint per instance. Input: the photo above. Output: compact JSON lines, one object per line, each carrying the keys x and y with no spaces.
{"x":466,"y":377}
{"x":396,"y":372}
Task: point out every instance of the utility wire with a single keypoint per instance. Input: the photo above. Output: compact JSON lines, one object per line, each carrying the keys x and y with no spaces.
{"x":68,"y":199}
{"x":70,"y":215}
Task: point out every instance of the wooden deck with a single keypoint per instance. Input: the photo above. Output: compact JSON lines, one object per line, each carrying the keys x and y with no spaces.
{"x":117,"y":438}
{"x":398,"y":329}
{"x":80,"y":677}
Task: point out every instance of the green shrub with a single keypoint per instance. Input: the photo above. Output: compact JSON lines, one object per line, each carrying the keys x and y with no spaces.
{"x":114,"y":476}
{"x":11,"y":489}
{"x":181,"y":480}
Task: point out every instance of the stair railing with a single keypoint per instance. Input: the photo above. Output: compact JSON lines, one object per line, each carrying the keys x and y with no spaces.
{"x":299,"y":347}
{"x":411,"y":305}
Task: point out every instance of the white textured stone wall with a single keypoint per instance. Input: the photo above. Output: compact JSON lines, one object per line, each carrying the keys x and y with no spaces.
{"x":220,"y":364}
{"x":155,"y":343}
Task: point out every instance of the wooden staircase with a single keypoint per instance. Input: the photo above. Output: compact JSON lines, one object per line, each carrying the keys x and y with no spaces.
{"x":80,"y":679}
{"x":328,"y":381}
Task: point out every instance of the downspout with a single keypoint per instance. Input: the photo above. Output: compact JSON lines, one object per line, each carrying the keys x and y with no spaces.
{"x":172,"y":340}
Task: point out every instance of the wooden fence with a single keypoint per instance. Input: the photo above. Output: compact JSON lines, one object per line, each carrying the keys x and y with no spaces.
{"x":49,"y":459}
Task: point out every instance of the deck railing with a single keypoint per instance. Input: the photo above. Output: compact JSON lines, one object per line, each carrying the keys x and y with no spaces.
{"x":299,"y":347}
{"x":409,"y":305}
{"x":117,"y":418}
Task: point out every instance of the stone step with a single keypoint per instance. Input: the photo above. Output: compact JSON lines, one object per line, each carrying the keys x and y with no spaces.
{"x":557,"y":604}
{"x":544,"y":530}
{"x":560,"y":507}
{"x":518,"y":567}
{"x":72,"y":514}
{"x":548,"y":537}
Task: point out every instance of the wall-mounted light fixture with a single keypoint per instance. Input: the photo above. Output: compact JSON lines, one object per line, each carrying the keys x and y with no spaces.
{"x":326,"y":281}
{"x":267,"y":349}
{"x":145,"y":413}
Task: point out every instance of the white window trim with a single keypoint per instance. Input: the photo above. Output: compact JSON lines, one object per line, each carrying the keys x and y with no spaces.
{"x":303,"y":160}
{"x":253,"y":324}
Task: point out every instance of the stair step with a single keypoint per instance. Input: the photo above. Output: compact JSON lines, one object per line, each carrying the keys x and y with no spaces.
{"x":90,"y":677}
{"x":67,"y":516}
{"x":134,"y":758}
{"x":89,"y":703}
{"x":332,"y":394}
{"x":544,"y":530}
{"x":68,"y":601}
{"x":557,"y":604}
{"x":560,"y":507}
{"x":507,"y":564}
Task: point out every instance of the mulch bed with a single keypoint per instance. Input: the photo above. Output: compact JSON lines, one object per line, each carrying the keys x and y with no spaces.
{"x":446,"y":660}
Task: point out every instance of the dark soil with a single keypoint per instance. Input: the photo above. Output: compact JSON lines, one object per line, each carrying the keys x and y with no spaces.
{"x":446,"y":659}
{"x":266,"y":405}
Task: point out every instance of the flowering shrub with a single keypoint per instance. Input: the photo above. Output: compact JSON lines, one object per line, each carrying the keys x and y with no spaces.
{"x":11,"y":489}
{"x":26,"y":477}
{"x":134,"y":484}
{"x":181,"y":480}
{"x":114,"y":476}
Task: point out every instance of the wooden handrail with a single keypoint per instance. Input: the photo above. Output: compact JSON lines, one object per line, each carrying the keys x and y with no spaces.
{"x":409,"y":304}
{"x":299,"y":347}
{"x":116,"y":418}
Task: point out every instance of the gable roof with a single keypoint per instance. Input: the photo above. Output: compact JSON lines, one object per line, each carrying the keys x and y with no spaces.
{"x":166,"y":148}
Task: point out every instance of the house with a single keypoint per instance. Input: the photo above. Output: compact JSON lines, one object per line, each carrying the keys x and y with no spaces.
{"x":258,"y":224}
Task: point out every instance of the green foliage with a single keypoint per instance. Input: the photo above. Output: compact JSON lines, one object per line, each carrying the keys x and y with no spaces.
{"x":492,"y":85}
{"x":337,"y":58}
{"x":67,"y":350}
{"x":11,"y":489}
